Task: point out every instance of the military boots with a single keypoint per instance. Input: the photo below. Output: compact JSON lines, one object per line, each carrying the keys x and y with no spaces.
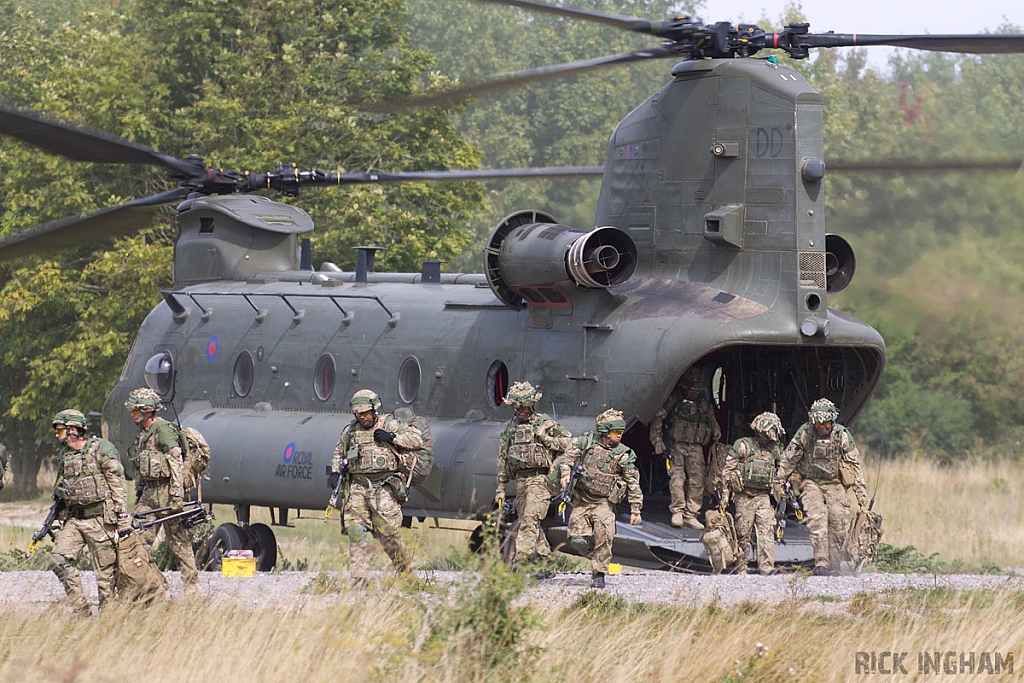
{"x":597,"y":580}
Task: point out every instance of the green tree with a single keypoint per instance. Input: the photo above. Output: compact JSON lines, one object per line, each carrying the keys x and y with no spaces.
{"x":247,"y":89}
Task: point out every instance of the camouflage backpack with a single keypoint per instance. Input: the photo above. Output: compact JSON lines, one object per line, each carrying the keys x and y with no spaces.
{"x":195,"y":454}
{"x":416,"y":465}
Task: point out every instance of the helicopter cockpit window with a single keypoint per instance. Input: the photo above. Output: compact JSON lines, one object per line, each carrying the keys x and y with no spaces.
{"x":160,"y":373}
{"x":497,"y":383}
{"x":323,"y":377}
{"x":243,"y":374}
{"x":409,"y":379}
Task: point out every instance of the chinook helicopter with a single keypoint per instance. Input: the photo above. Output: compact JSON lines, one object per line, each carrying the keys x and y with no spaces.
{"x":708,"y":249}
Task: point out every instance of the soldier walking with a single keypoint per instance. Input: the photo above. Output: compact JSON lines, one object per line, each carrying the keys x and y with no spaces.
{"x":692,"y":426}
{"x":158,"y":462}
{"x":90,"y":482}
{"x":369,"y":454}
{"x":824,"y":453}
{"x":749,"y":472}
{"x":529,"y":445}
{"x":607,"y":474}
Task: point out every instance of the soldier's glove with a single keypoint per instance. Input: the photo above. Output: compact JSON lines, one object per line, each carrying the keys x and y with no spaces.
{"x":124,"y":525}
{"x":383,"y":436}
{"x":333,"y":478}
{"x":177,"y":505}
{"x":564,"y":481}
{"x":777,"y":493}
{"x":634,"y":517}
{"x":724,"y":498}
{"x":862,"y":502}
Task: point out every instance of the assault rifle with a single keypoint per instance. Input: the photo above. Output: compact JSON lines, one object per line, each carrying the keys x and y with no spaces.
{"x":51,"y":517}
{"x":565,"y":497}
{"x":332,"y":502}
{"x":798,"y":511}
{"x":190,"y":517}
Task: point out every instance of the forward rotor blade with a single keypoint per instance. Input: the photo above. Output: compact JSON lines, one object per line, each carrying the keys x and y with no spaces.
{"x":505,"y":81}
{"x":79,"y":143}
{"x":481,"y":174}
{"x":989,"y":43}
{"x":75,"y":231}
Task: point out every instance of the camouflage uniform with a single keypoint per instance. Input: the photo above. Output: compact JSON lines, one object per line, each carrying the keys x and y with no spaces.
{"x":159,"y":469}
{"x":374,"y":489}
{"x":527,"y":450}
{"x":608,"y":474}
{"x":90,"y":481}
{"x":692,"y":427}
{"x":824,"y":462}
{"x":749,"y":471}
{"x":4,"y":461}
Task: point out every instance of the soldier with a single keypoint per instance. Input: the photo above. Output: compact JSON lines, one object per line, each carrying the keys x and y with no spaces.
{"x":529,"y":445}
{"x":825,"y":454}
{"x":90,"y":481}
{"x":692,"y":424}
{"x":607,"y":474}
{"x":373,"y":445}
{"x":4,"y":458}
{"x":749,"y":471}
{"x":159,"y":477}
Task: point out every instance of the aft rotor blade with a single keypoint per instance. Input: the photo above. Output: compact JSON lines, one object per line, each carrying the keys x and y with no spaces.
{"x":79,"y":143}
{"x":941,"y":166}
{"x":989,"y":43}
{"x":505,"y":81}
{"x":75,"y":231}
{"x":618,"y":21}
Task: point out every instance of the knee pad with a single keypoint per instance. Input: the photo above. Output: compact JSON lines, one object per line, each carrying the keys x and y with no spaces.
{"x":580,"y":544}
{"x":356,"y":533}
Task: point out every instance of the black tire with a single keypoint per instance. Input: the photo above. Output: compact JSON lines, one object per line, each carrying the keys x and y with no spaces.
{"x":225,"y":537}
{"x":264,"y":547}
{"x":476,"y":539}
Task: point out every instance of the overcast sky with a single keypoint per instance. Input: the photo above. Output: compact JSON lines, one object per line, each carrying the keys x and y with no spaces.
{"x":876,"y":16}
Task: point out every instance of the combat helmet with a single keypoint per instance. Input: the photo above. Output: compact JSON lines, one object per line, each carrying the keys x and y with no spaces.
{"x":693,"y":378}
{"x":363,"y":400}
{"x":144,"y":399}
{"x":72,"y":418}
{"x":770,"y":424}
{"x":609,"y":420}
{"x":822,"y":410}
{"x":522,"y":395}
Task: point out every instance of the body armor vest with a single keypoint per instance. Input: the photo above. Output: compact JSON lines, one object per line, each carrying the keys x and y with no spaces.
{"x":151,"y":462}
{"x":84,"y":483}
{"x":689,"y":424}
{"x":597,"y":480}
{"x":821,"y":460}
{"x":366,"y":456}
{"x":524,"y":452}
{"x":758,"y":468}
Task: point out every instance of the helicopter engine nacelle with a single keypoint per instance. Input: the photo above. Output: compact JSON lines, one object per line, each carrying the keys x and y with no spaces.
{"x":529,"y":255}
{"x":840,"y":263}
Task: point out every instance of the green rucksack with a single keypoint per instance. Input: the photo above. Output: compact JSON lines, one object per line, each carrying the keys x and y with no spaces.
{"x":416,"y":465}
{"x":195,"y":454}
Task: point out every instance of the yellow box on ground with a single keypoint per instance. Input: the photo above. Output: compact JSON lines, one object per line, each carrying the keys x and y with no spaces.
{"x":614,"y":568}
{"x":238,"y":566}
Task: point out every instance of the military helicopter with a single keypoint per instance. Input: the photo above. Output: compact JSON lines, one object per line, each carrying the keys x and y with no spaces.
{"x":708,"y":249}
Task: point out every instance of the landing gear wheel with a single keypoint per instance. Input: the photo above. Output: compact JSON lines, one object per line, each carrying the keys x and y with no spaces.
{"x":264,"y":547}
{"x":226,"y":537}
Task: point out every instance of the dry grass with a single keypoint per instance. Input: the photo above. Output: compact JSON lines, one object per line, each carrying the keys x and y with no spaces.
{"x":391,"y":633}
{"x":968,"y":512}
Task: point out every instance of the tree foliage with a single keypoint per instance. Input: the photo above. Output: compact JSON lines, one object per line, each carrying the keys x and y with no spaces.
{"x":245,"y":87}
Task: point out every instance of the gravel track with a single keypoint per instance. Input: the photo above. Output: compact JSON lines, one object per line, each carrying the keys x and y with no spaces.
{"x":36,"y":591}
